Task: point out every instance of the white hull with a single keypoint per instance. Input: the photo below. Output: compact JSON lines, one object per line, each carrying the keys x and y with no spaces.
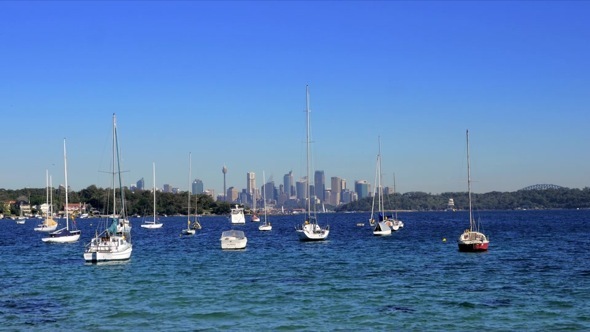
{"x":114,"y":248}
{"x":233,"y":240}
{"x":151,"y":225}
{"x":188,"y":232}
{"x":312,"y":232}
{"x":263,"y":227}
{"x":382,"y":229}
{"x":62,"y":239}
{"x":20,"y":221}
{"x":233,"y":243}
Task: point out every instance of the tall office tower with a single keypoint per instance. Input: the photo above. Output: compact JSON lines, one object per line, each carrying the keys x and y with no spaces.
{"x":336,"y":190}
{"x":269,"y":190}
{"x":197,"y":187}
{"x":251,"y":185}
{"x":224,"y":171}
{"x":167,"y":188}
{"x":301,"y":192}
{"x":288,"y":184}
{"x":140,"y":184}
{"x":362,"y":188}
{"x":320,"y":185}
{"x":231,"y":194}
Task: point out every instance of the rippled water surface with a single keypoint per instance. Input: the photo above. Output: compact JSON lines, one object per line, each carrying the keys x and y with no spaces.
{"x":536,"y":275}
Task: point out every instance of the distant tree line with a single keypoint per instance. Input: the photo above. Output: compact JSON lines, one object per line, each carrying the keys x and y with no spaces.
{"x":139,"y":202}
{"x":562,"y":198}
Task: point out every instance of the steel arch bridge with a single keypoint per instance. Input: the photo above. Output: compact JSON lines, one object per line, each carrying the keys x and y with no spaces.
{"x":542,"y":187}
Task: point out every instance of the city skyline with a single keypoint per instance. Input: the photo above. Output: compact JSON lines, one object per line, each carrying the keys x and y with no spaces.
{"x":226,"y":82}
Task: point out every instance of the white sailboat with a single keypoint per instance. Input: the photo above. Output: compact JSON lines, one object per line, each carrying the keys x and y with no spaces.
{"x":266,"y":226}
{"x":396,"y":223}
{"x":66,"y":234}
{"x":154,"y":223}
{"x":237,"y":215}
{"x":190,"y":227}
{"x":20,"y":220}
{"x":382,"y":226}
{"x":114,"y":242}
{"x":472,"y":239}
{"x":310,"y":230}
{"x":49,"y":224}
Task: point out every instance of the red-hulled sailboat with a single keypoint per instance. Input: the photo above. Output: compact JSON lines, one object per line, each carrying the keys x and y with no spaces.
{"x":472,"y":240}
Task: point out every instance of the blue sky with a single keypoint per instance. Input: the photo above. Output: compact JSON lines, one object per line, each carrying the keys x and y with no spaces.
{"x":226,"y":81}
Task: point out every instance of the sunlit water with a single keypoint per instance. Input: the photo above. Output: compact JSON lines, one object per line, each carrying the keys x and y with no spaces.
{"x":536,"y":276}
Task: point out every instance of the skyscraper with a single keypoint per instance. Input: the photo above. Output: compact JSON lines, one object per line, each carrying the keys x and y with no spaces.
{"x":362,"y":188}
{"x":301,"y":192}
{"x":336,"y":190}
{"x":197,"y":186}
{"x":320,"y":185}
{"x":231,"y":195}
{"x":140,"y":184}
{"x":288,"y":184}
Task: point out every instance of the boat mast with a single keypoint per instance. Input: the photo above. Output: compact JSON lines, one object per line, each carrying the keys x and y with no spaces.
{"x":114,"y":147}
{"x":154,"y":182}
{"x":307,"y":191}
{"x":50,"y":196}
{"x":471,"y":224}
{"x":264,"y":195}
{"x":189,"y":187}
{"x":47,"y":191}
{"x":66,"y":181}
{"x":394,"y":201}
{"x":123,"y":213}
{"x":380,"y":202}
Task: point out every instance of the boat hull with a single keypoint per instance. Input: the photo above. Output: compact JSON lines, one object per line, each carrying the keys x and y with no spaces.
{"x":44,"y":228}
{"x":152,"y":225}
{"x":188,"y":232}
{"x":115,"y":248}
{"x":473,"y":241}
{"x":312,"y":232}
{"x":382,"y":229}
{"x":233,"y":243}
{"x":64,"y":236}
{"x":265,"y":227}
{"x":473,"y":247}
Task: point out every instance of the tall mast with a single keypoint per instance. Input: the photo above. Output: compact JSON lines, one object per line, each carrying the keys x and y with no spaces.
{"x":114,"y":149}
{"x":469,"y":184}
{"x":50,"y":196}
{"x":47,"y":191}
{"x":123,"y":212}
{"x":189,"y":186}
{"x":381,"y":208}
{"x":264,"y":195}
{"x":154,"y":184}
{"x":66,"y":180}
{"x":308,"y":111}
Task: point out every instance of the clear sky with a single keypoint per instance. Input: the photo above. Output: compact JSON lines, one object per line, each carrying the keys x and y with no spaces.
{"x":226,"y":81}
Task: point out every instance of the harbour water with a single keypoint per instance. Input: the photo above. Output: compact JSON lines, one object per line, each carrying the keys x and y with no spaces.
{"x":535,"y":276}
